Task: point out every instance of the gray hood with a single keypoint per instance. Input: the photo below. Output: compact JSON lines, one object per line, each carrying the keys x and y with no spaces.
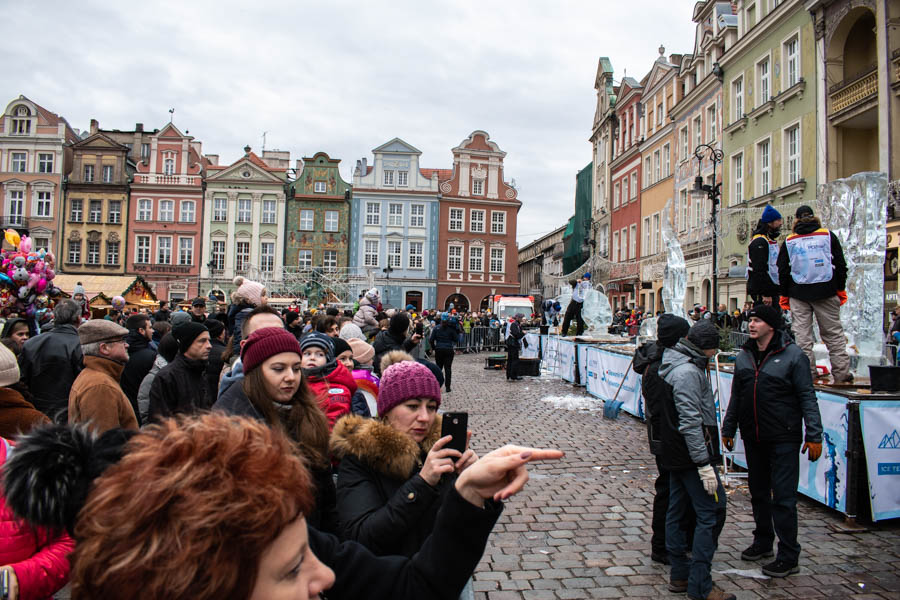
{"x":682,"y":353}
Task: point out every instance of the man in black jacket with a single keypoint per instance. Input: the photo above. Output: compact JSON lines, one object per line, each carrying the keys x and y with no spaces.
{"x":647,"y":360}
{"x":772,"y":396}
{"x":762,"y":259}
{"x":514,"y":337}
{"x":140,"y":358}
{"x":50,"y":362}
{"x":813,"y":276}
{"x":198,"y":310}
{"x":180,"y":386}
{"x":395,"y":338}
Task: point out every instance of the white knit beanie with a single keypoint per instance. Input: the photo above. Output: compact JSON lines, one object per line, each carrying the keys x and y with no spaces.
{"x":9,"y":368}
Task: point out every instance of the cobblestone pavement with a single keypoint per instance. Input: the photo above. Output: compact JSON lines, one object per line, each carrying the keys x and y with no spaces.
{"x":581,"y":527}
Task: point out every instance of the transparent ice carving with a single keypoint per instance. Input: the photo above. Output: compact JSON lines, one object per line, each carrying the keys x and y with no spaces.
{"x":648,"y":328}
{"x":675,"y":275}
{"x":855,"y":210}
{"x":597,"y":312}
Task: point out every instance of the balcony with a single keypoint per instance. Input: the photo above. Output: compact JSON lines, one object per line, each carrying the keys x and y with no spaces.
{"x":13,"y":222}
{"x":848,"y":94}
{"x":154,"y":179}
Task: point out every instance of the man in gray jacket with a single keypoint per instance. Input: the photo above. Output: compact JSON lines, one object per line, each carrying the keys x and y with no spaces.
{"x":690,"y":441}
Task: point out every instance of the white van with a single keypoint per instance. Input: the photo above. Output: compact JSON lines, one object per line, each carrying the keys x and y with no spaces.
{"x":508,"y":306}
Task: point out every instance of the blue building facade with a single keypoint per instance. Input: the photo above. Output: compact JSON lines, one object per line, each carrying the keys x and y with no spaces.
{"x":394,"y":226}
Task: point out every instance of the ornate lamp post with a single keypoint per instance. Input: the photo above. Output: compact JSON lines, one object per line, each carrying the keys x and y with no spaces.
{"x":713,"y":192}
{"x":387,"y":271}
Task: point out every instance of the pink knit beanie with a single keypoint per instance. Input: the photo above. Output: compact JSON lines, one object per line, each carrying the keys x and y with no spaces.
{"x":251,"y":291}
{"x":362,"y":351}
{"x":403,"y":381}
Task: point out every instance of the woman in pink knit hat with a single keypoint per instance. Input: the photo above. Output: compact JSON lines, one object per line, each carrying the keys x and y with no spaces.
{"x":247,"y":296}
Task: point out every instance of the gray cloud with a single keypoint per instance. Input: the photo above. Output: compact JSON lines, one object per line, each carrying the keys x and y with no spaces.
{"x":344,"y":76}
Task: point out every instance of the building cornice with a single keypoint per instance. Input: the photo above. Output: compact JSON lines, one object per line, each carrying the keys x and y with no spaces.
{"x":771,"y":21}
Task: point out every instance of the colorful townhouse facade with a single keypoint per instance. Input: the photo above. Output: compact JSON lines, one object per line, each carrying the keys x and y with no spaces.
{"x":477,"y":251}
{"x":394,"y":226}
{"x":602,"y":144}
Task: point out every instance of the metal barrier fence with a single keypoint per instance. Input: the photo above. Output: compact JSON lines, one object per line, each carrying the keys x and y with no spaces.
{"x":480,"y":338}
{"x":737,"y":339}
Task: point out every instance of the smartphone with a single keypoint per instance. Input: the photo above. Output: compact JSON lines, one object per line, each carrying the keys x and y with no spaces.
{"x":4,"y":584}
{"x":457,"y":425}
{"x":420,"y":328}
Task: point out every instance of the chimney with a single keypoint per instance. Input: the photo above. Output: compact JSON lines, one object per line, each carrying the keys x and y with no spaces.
{"x":139,"y":127}
{"x":675,"y":59}
{"x":364,"y":169}
{"x":95,"y":126}
{"x":213,"y":159}
{"x":246,"y":150}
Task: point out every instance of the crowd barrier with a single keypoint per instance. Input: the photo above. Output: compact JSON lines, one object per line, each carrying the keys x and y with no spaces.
{"x":479,"y":339}
{"x":860,"y":460}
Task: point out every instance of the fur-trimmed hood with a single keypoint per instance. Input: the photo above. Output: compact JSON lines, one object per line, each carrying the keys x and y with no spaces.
{"x":379,"y":446}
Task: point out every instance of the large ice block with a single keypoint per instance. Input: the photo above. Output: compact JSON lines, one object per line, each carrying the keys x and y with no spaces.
{"x":675,"y":275}
{"x":855,"y":209}
{"x":597,"y":312}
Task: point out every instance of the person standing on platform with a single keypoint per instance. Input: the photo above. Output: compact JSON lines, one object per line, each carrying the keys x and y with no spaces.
{"x":772,"y":397}
{"x":573,"y":310}
{"x":762,"y":259}
{"x":813,"y":276}
{"x":514,"y":337}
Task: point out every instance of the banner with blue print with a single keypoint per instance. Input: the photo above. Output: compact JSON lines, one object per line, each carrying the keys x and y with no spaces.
{"x":565,"y":360}
{"x":606,"y":371}
{"x":880,"y":423}
{"x":582,"y":349}
{"x":534,"y":341}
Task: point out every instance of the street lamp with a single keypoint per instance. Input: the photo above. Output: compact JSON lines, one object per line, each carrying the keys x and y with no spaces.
{"x":387,"y":271}
{"x":713,"y":192}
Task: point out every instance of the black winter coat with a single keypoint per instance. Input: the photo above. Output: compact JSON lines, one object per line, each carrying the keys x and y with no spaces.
{"x":386,"y":341}
{"x":214,"y":370}
{"x":758,"y":281}
{"x":814,"y":291}
{"x":444,"y":337}
{"x":234,"y":401}
{"x":647,"y":359}
{"x":49,"y":364}
{"x":179,"y":388}
{"x":771,"y":401}
{"x":382,"y":501}
{"x":140,"y":360}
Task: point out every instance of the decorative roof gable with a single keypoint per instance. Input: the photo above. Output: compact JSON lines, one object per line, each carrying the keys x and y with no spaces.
{"x":396,"y":146}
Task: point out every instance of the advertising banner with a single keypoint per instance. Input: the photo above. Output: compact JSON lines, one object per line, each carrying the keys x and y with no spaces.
{"x":531,"y":351}
{"x":565,"y":361}
{"x":581,"y":349}
{"x":880,"y":422}
{"x":611,"y":369}
{"x":550,"y":349}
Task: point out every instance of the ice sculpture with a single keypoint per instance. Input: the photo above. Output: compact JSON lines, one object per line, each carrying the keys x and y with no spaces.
{"x":648,"y":328}
{"x":675,"y":274}
{"x":855,"y":210}
{"x":597,"y":312}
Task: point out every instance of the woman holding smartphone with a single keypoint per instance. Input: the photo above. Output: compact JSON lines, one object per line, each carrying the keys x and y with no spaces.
{"x":396,"y":469}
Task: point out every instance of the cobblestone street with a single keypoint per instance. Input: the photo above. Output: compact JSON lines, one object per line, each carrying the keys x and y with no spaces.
{"x":581,"y":527}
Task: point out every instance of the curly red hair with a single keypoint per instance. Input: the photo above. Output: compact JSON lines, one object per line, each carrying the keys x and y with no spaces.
{"x":189,"y":508}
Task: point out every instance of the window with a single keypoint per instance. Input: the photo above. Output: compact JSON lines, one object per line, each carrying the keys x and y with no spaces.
{"x":791,"y":62}
{"x":456,"y":219}
{"x":114,"y":212}
{"x":45,"y":163}
{"x":93,"y":253}
{"x":417,"y":215}
{"x":107,"y":174}
{"x":186,"y":251}
{"x":657,"y":174}
{"x":655,"y":239}
{"x":95,"y":211}
{"x":416,"y":255}
{"x":624,"y":190}
{"x":698,"y":132}
{"x":685,"y":143}
{"x":164,"y":250}
{"x":477,"y":187}
{"x":666,"y":161}
{"x":617,"y":192}
{"x":16,"y":206}
{"x":615,"y":245}
{"x":632,"y":242}
{"x":762,"y":75}
{"x":168,"y":166}
{"x":304,"y":259}
{"x":166,"y":210}
{"x":187,"y":211}
{"x":659,"y":115}
{"x":332,"y":220}
{"x":498,"y":257}
{"x":476,"y":258}
{"x":243,"y":215}
{"x":43,"y":204}
{"x":241,"y":256}
{"x":388,"y":177}
{"x":373,"y":213}
{"x":17,"y":162}
{"x":268,"y":211}
{"x":711,"y":124}
{"x":403,"y":178}
{"x":476,"y":221}
{"x":645,"y":250}
{"x":737,"y":95}
{"x":307,"y":220}
{"x":737,"y":177}
{"x":763,"y":156}
{"x":623,"y":247}
{"x":792,"y":144}
{"x":75,"y":210}
{"x":88,"y":173}
{"x":112,"y":253}
{"x":41,"y":243}
{"x":395,"y":215}
{"x":329,"y":259}
{"x":75,"y":252}
{"x":320,"y":187}
{"x":21,"y":126}
{"x":218,"y":255}
{"x":145,"y":209}
{"x":634,"y":185}
{"x":498,"y":221}
{"x":145,"y":152}
{"x":395,"y":254}
{"x":267,"y":257}
{"x":648,"y":172}
{"x":220,"y":209}
{"x":371,"y":254}
{"x":142,"y":249}
{"x":454,"y":258}
{"x":683,"y":204}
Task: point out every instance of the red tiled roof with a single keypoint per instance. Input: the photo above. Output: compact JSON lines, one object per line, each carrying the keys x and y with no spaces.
{"x":261,"y":163}
{"x":369,"y":169}
{"x":54,"y":119}
{"x":442,"y":174}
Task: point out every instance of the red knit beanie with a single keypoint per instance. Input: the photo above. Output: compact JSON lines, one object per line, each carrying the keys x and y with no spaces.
{"x":265,"y":343}
{"x":405,"y":380}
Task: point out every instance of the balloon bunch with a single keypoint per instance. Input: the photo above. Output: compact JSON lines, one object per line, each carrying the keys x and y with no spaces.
{"x":26,"y":290}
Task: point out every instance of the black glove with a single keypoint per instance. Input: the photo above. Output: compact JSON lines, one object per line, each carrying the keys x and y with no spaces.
{"x":524,"y":342}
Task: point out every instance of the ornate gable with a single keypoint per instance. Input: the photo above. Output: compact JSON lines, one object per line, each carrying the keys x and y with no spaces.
{"x":396,"y":145}
{"x":245,"y":170}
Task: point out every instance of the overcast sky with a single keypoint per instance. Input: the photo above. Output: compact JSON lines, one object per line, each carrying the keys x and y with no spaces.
{"x":345,"y":77}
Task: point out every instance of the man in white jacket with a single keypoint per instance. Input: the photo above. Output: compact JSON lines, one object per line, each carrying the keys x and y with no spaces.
{"x":573,"y":311}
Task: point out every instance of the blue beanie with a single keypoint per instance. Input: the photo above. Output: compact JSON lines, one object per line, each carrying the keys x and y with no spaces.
{"x":587,"y":275}
{"x":770,"y":214}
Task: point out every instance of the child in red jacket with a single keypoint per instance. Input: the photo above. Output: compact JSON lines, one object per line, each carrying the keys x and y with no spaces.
{"x":328,"y":379}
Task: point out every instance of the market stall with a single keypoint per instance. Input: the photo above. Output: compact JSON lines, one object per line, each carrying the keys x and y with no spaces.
{"x":101,"y":289}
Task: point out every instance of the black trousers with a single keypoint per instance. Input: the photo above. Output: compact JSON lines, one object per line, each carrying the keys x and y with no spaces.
{"x":773,"y":472}
{"x":444,"y":359}
{"x":573,"y":311}
{"x":512,"y":362}
{"x":660,"y":508}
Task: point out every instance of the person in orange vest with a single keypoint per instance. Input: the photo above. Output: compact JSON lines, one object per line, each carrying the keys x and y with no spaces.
{"x":813,"y":277}
{"x":762,"y":259}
